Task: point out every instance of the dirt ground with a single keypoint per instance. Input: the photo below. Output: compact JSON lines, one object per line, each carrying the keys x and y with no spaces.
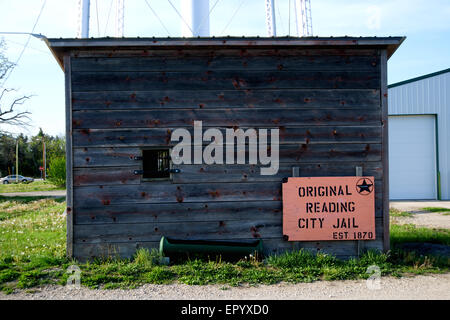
{"x":420,"y":217}
{"x":418,"y":205}
{"x":425,"y":219}
{"x":433,"y":287}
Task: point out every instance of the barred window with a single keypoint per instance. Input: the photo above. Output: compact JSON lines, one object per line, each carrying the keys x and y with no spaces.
{"x":156,"y":164}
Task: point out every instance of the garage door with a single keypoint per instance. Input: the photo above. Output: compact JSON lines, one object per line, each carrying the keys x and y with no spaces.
{"x":412,"y":157}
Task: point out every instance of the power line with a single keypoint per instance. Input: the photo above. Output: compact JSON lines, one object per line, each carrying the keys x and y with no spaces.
{"x":39,"y":36}
{"x":281,"y":21}
{"x":30,"y":47}
{"x":156,"y":15}
{"x":109,"y":14}
{"x":180,"y":16}
{"x":232,"y":17}
{"x":26,"y":44}
{"x":98,"y":22}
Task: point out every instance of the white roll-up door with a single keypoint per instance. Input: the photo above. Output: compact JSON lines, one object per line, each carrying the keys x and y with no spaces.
{"x":412,"y":157}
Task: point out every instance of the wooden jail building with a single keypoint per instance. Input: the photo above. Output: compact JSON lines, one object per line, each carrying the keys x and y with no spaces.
{"x":126,"y":96}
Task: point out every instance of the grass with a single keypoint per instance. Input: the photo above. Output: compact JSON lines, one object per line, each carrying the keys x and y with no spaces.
{"x":436,"y":209}
{"x":32,"y":253}
{"x":29,"y":187}
{"x":410,"y":233}
{"x":32,"y":235}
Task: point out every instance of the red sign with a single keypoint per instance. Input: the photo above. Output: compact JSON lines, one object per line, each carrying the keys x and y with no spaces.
{"x":329,"y":208}
{"x":41,"y":168}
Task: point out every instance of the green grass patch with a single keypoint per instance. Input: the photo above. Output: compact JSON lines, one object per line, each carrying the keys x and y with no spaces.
{"x":29,"y":187}
{"x":32,"y":241}
{"x":32,"y":253}
{"x":410,"y":233}
{"x":436,"y":209}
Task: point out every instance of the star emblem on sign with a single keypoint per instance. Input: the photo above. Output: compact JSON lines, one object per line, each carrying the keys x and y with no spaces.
{"x":364,"y":186}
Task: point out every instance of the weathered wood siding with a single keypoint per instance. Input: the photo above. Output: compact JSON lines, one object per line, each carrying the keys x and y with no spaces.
{"x":326,"y":103}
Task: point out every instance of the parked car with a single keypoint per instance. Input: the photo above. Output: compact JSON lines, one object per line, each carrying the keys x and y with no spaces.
{"x":12,"y":179}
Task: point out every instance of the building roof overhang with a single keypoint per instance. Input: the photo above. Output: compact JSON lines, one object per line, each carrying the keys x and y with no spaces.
{"x":63,"y":46}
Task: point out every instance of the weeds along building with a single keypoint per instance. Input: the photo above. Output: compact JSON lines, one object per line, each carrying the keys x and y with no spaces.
{"x":327,"y":97}
{"x":419,"y":154}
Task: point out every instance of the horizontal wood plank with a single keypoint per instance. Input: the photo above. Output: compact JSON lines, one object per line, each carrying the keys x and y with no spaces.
{"x":167,"y":192}
{"x":224,"y":62}
{"x":222,"y":173}
{"x":211,"y":230}
{"x":255,"y":228}
{"x":212,"y":99}
{"x":211,"y":51}
{"x":159,"y":192}
{"x":223,"y":80}
{"x":187,"y":212}
{"x":256,"y":118}
{"x":162,"y":136}
{"x":302,"y":153}
{"x":181,"y":212}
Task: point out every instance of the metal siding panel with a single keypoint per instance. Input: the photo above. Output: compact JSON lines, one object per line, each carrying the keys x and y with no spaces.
{"x":412,"y":154}
{"x":428,"y":96}
{"x":444,"y":136}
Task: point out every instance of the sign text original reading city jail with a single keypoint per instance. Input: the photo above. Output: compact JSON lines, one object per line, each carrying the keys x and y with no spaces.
{"x":329,"y":208}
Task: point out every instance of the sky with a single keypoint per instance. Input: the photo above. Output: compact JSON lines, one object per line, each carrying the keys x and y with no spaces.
{"x":425,"y":23}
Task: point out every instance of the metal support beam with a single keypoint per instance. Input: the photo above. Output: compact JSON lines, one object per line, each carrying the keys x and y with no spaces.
{"x":303,"y":19}
{"x":119,"y":18}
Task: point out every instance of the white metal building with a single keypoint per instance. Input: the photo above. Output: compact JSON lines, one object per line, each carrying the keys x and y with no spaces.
{"x":419,"y":137}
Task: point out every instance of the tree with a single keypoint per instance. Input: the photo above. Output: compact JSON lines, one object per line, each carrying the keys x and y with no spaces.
{"x":30,"y":152}
{"x":10,"y":103}
{"x":57,"y":171}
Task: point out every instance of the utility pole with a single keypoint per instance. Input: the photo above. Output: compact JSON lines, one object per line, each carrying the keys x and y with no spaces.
{"x":17,"y":160}
{"x":44,"y":160}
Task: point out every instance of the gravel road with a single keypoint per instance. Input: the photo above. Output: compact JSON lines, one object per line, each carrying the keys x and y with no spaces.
{"x":425,"y":219}
{"x":422,"y":218}
{"x":436,"y":287}
{"x":418,"y":204}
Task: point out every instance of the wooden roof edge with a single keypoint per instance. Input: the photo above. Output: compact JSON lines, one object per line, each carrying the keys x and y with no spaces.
{"x":60,"y":46}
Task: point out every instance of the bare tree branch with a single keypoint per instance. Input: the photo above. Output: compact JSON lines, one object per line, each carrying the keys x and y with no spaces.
{"x":9,"y":109}
{"x":5,"y":65}
{"x":11,"y":115}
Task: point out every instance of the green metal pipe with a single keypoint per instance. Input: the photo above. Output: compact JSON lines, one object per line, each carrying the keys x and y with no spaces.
{"x":169,"y":246}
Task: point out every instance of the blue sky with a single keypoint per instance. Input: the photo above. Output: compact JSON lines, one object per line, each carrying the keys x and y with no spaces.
{"x":425,"y":23}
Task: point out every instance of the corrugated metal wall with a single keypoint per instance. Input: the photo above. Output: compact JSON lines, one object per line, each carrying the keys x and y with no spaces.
{"x":428,"y":96}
